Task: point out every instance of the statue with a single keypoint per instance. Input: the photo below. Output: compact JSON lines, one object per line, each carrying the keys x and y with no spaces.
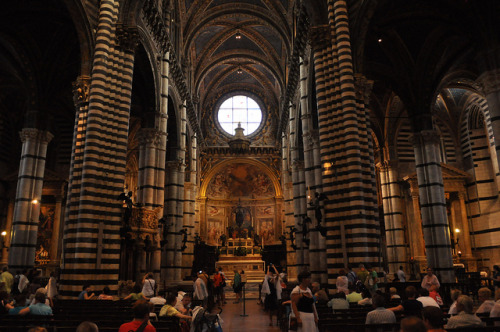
{"x":184,"y":238}
{"x":223,"y":240}
{"x":250,"y":231}
{"x":230,"y":231}
{"x":305,"y":229}
{"x":128,"y":209}
{"x":292,"y":237}
{"x":318,"y":198}
{"x":282,"y":238}
{"x":256,"y":240}
{"x":197,"y":239}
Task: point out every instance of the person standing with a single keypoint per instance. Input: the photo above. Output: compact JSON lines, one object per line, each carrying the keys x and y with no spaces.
{"x":272,"y":290}
{"x":430,"y":279}
{"x":303,"y":308}
{"x":51,"y":286}
{"x":6,"y":280}
{"x":200,"y":287}
{"x":237,"y":286}
{"x":362,"y":274}
{"x":148,"y":285}
{"x":401,"y":274}
{"x":23,"y":281}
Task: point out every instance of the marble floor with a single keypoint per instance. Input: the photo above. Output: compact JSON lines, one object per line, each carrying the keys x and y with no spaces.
{"x":257,"y":319}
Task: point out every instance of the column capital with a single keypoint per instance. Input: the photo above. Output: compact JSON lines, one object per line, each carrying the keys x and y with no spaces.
{"x":127,"y":37}
{"x":363,"y":87}
{"x":28,"y":134}
{"x":149,"y":136}
{"x":175,"y":164}
{"x":387,"y":165}
{"x":425,"y":136}
{"x":320,"y":37}
{"x":297,"y":164}
{"x":490,"y":81}
{"x":81,"y":88}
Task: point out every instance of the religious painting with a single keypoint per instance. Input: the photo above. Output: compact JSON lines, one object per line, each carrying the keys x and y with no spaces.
{"x":264,"y":211}
{"x":214,"y":228}
{"x":266,"y":230}
{"x":45,"y":229}
{"x":240,"y":180}
{"x":215,"y":211}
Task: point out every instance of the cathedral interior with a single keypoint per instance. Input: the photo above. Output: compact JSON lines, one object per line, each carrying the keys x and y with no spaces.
{"x":174,"y":135}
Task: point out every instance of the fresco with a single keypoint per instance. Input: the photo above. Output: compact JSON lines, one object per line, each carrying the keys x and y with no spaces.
{"x":240,"y":180}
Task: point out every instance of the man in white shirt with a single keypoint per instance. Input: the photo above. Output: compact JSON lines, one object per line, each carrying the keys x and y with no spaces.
{"x":429,"y":280}
{"x":401,"y":274}
{"x":426,"y":300}
{"x":158,"y":300}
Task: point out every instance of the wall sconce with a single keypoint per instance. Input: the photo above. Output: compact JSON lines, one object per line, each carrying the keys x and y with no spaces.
{"x":238,"y":35}
{"x":34,"y":201}
{"x":239,"y":70}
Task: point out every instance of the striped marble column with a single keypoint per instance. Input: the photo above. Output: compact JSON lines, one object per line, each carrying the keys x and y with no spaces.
{"x":148,"y":185}
{"x":299,"y":192}
{"x":392,"y":201}
{"x":433,"y":204}
{"x":490,"y":82}
{"x":345,"y":143}
{"x":317,"y":248}
{"x":291,"y":255}
{"x":169,"y":267}
{"x":28,"y":197}
{"x":92,"y":224}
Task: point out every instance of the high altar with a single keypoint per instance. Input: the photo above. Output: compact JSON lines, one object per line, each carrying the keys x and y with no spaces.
{"x":241,"y":211}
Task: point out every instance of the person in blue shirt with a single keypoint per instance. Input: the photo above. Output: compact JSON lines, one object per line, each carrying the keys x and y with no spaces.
{"x":39,"y":308}
{"x":20,"y":304}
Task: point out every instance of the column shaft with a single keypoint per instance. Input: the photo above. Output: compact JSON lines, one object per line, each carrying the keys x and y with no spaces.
{"x":29,"y":189}
{"x":433,"y":204}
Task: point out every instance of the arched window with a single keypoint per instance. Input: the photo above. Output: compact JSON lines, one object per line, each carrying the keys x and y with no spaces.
{"x":239,"y":109}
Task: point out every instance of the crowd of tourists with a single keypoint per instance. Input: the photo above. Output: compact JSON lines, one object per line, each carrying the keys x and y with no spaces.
{"x":392,"y":301}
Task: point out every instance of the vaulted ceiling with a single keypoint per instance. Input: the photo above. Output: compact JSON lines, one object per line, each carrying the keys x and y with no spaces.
{"x":237,"y":46}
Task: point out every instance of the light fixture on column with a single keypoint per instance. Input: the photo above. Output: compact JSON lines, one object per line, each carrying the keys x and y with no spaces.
{"x":239,"y":70}
{"x":34,"y":201}
{"x":238,"y":35}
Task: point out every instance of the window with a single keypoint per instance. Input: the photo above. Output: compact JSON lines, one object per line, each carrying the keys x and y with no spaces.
{"x":239,"y":109}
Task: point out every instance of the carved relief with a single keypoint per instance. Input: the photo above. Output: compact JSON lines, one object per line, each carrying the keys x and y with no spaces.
{"x":81,"y":89}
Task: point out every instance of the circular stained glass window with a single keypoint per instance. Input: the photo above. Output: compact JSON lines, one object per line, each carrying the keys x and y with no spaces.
{"x":241,"y":110}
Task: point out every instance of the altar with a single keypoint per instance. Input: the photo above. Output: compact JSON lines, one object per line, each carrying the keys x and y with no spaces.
{"x":241,"y":254}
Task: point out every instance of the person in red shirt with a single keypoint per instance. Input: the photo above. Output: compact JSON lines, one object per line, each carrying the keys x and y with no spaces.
{"x":141,"y":317}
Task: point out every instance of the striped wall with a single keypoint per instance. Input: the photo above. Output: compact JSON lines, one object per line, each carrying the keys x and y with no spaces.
{"x":91,"y":234}
{"x":346,"y":149}
{"x":482,"y":192}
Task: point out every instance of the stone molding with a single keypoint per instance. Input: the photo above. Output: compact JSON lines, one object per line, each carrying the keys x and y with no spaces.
{"x":33,"y":134}
{"x":81,"y":88}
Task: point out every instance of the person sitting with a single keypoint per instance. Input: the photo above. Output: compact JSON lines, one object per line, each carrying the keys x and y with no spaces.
{"x":141,"y":312}
{"x":338,"y":302}
{"x":342,"y":282}
{"x":411,"y":306}
{"x":105,"y":295}
{"x":484,"y":297}
{"x":39,"y":308}
{"x":169,"y":310}
{"x":455,"y":293}
{"x":20,"y":304}
{"x":136,"y":294}
{"x":320,"y":295}
{"x":159,"y":299}
{"x":183,"y":306}
{"x":495,"y":312}
{"x":86,"y":293}
{"x":465,"y":317}
{"x":426,"y":300}
{"x":367,"y":298}
{"x":354,"y":296}
{"x":380,"y":315}
{"x":433,"y":292}
{"x":5,"y":302}
{"x":433,"y":319}
{"x":87,"y":327}
{"x":395,"y":299}
{"x":412,"y":324}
